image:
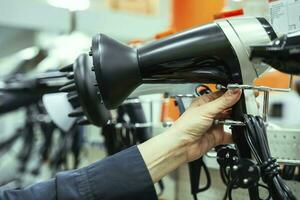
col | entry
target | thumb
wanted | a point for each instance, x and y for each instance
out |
(227, 138)
(226, 101)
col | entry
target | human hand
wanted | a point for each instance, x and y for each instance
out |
(195, 127)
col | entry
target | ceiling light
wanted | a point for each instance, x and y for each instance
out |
(72, 5)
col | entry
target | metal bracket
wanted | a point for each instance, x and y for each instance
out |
(184, 95)
(266, 90)
(259, 88)
(228, 122)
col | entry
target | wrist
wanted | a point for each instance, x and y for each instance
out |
(180, 140)
(163, 154)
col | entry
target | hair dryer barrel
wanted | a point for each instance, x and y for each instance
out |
(202, 54)
(213, 53)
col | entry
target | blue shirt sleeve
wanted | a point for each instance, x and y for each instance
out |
(122, 176)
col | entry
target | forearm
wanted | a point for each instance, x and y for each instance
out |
(163, 154)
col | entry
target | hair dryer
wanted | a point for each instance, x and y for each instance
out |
(218, 53)
(83, 95)
(23, 90)
(282, 54)
(213, 53)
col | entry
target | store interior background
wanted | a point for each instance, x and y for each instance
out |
(64, 29)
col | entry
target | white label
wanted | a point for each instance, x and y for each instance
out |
(285, 15)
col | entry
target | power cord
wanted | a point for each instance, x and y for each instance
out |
(256, 137)
(195, 174)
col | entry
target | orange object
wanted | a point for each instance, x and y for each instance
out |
(274, 79)
(148, 7)
(135, 42)
(170, 110)
(164, 34)
(189, 13)
(231, 13)
(212, 87)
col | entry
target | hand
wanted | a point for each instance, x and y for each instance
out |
(196, 128)
(192, 135)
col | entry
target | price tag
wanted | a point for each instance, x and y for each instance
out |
(285, 15)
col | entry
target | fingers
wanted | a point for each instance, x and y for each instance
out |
(226, 101)
(224, 115)
(227, 138)
(219, 136)
(222, 137)
(256, 93)
(206, 98)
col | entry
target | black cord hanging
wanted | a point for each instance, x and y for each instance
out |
(257, 139)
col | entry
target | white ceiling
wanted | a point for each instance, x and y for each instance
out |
(39, 15)
(20, 19)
